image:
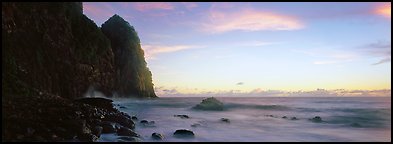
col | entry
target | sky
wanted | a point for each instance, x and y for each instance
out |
(261, 48)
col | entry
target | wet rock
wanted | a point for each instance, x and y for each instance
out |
(210, 104)
(96, 101)
(157, 136)
(134, 117)
(183, 133)
(123, 131)
(144, 121)
(182, 116)
(316, 119)
(122, 107)
(107, 127)
(284, 117)
(128, 139)
(97, 130)
(225, 120)
(294, 118)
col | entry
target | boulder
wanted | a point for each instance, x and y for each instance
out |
(316, 119)
(182, 116)
(123, 131)
(210, 104)
(107, 127)
(97, 101)
(157, 136)
(184, 133)
(225, 120)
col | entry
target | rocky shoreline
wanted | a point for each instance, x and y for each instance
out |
(53, 118)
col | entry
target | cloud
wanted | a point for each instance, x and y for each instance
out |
(147, 6)
(239, 83)
(383, 61)
(190, 5)
(248, 20)
(152, 50)
(325, 62)
(384, 10)
(379, 49)
(100, 12)
(278, 93)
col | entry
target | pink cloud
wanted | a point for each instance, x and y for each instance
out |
(146, 6)
(98, 11)
(384, 10)
(249, 20)
(152, 50)
(190, 5)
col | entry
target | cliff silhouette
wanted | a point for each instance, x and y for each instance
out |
(54, 48)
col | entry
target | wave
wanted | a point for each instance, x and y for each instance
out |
(259, 107)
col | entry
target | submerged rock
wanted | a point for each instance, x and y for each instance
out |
(134, 117)
(182, 116)
(184, 133)
(157, 136)
(225, 120)
(195, 125)
(284, 117)
(210, 104)
(294, 118)
(316, 119)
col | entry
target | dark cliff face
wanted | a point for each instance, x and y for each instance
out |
(53, 48)
(133, 78)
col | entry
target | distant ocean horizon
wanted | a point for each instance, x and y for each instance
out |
(264, 118)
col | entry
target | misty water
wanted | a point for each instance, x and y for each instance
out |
(260, 119)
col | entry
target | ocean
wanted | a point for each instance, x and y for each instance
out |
(344, 119)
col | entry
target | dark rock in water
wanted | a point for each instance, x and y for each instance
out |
(210, 104)
(355, 125)
(182, 116)
(144, 121)
(316, 119)
(122, 119)
(284, 117)
(134, 117)
(98, 102)
(97, 130)
(123, 131)
(195, 125)
(128, 139)
(157, 136)
(107, 127)
(123, 107)
(225, 120)
(294, 118)
(147, 123)
(184, 133)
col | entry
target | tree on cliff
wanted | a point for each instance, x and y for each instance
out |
(133, 77)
